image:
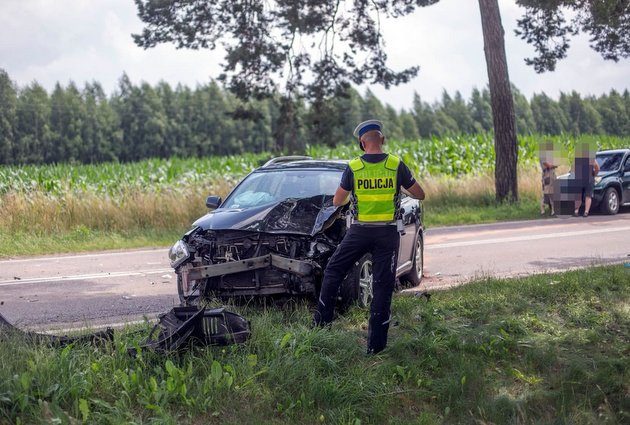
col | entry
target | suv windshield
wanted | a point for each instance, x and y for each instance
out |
(262, 188)
(609, 161)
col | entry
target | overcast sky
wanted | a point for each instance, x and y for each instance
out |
(84, 40)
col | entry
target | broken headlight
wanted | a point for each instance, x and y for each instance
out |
(178, 253)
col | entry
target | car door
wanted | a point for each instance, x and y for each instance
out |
(625, 180)
(409, 208)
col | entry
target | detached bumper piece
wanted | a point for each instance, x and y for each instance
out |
(185, 326)
(8, 330)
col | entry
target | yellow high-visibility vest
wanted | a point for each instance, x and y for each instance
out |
(375, 189)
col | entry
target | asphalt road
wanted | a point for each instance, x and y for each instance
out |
(97, 289)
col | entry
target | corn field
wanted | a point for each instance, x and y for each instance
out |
(446, 156)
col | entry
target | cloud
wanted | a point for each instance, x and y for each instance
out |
(446, 40)
(65, 40)
(62, 40)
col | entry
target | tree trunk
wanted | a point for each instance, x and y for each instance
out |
(505, 143)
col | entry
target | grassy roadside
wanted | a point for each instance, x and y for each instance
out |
(82, 238)
(542, 349)
(42, 223)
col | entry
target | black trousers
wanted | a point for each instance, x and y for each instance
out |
(382, 242)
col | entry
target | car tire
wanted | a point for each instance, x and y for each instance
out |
(414, 277)
(610, 202)
(356, 288)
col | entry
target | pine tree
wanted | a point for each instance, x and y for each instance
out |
(100, 127)
(8, 104)
(32, 132)
(372, 106)
(408, 126)
(457, 109)
(392, 124)
(151, 124)
(581, 117)
(349, 111)
(524, 117)
(75, 115)
(172, 119)
(613, 112)
(122, 104)
(626, 102)
(425, 117)
(59, 149)
(480, 110)
(548, 115)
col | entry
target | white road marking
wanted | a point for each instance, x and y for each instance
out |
(92, 276)
(115, 325)
(526, 238)
(72, 257)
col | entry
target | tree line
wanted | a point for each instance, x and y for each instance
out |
(141, 120)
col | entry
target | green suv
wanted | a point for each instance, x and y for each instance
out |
(612, 183)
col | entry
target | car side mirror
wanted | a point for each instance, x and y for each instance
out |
(213, 202)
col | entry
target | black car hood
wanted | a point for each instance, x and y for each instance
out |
(306, 216)
(604, 174)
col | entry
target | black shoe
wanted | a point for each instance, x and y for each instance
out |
(372, 351)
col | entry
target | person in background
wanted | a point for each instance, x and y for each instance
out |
(585, 168)
(548, 177)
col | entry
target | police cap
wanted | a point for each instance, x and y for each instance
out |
(366, 126)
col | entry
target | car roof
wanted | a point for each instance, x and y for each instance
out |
(615, 151)
(305, 164)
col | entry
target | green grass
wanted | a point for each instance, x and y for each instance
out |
(543, 349)
(83, 239)
(454, 215)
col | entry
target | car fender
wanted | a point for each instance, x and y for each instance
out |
(615, 183)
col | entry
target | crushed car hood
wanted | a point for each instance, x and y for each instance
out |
(306, 216)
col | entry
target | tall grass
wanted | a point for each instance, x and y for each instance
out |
(166, 209)
(163, 197)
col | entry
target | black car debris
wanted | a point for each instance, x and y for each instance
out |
(274, 234)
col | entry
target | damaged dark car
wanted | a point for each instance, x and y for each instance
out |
(276, 231)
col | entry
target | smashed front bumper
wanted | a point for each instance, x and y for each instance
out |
(265, 275)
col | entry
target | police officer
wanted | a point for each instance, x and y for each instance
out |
(374, 180)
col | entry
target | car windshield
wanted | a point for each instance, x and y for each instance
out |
(274, 186)
(609, 161)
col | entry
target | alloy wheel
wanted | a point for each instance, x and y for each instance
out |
(419, 264)
(365, 283)
(613, 201)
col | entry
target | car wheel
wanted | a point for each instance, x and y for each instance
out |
(414, 277)
(357, 286)
(610, 202)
